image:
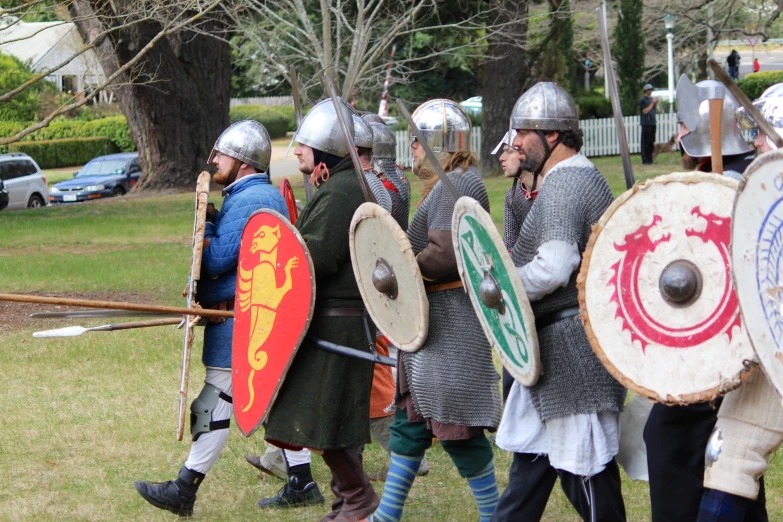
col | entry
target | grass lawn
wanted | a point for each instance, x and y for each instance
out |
(60, 174)
(84, 417)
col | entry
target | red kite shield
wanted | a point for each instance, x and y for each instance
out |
(272, 311)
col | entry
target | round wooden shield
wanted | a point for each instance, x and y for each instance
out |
(273, 307)
(656, 294)
(388, 277)
(495, 290)
(756, 253)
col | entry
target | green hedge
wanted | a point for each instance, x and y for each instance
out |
(50, 154)
(593, 105)
(276, 120)
(115, 128)
(754, 84)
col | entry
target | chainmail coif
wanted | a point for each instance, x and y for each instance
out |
(573, 380)
(516, 208)
(401, 200)
(452, 378)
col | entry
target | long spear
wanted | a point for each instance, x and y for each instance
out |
(73, 331)
(116, 305)
(625, 152)
(298, 115)
(382, 108)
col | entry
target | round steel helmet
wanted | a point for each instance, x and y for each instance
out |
(508, 139)
(546, 106)
(694, 112)
(444, 124)
(247, 141)
(371, 117)
(385, 144)
(320, 128)
(362, 132)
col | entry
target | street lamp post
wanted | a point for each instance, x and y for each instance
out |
(668, 22)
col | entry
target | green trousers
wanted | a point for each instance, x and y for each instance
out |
(412, 439)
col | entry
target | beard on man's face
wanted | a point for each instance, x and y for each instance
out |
(534, 156)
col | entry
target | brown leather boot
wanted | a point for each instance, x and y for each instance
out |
(337, 503)
(358, 496)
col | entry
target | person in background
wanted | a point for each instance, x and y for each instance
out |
(647, 108)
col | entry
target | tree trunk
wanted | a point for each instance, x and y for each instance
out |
(505, 78)
(176, 99)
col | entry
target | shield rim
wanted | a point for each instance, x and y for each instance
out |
(690, 178)
(468, 205)
(302, 335)
(373, 210)
(758, 163)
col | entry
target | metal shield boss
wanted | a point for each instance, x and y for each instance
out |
(495, 290)
(388, 277)
(273, 307)
(756, 250)
(656, 294)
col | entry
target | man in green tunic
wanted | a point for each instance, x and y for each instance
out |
(324, 403)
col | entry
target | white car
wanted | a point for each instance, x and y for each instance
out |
(24, 181)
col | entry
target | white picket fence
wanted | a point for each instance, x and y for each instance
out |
(600, 136)
(268, 101)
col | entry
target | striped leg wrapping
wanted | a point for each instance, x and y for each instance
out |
(485, 490)
(399, 479)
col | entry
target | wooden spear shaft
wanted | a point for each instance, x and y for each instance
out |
(115, 305)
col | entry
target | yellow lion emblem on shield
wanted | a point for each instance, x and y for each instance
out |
(258, 292)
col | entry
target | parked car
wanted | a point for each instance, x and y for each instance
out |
(23, 180)
(473, 105)
(102, 177)
(3, 195)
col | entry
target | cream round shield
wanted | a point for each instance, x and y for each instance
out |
(656, 293)
(495, 290)
(756, 253)
(388, 277)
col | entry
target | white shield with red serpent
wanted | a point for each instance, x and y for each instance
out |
(756, 253)
(274, 304)
(495, 290)
(656, 294)
(388, 277)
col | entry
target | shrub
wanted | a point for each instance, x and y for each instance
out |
(25, 105)
(51, 154)
(275, 123)
(754, 84)
(115, 128)
(593, 105)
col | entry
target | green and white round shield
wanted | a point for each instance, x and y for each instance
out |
(495, 290)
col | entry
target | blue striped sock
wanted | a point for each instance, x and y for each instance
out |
(485, 490)
(399, 479)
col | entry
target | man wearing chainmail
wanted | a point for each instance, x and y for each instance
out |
(567, 425)
(449, 388)
(517, 204)
(522, 193)
(385, 156)
(364, 141)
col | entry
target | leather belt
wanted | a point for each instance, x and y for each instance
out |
(443, 286)
(340, 312)
(554, 317)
